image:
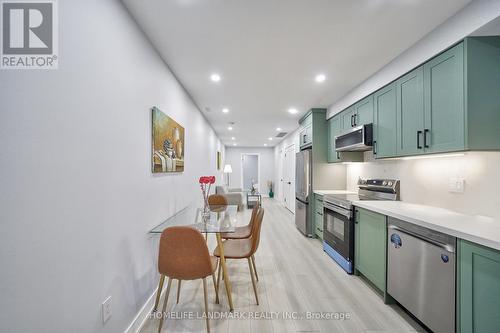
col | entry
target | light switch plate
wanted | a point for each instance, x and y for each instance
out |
(106, 310)
(456, 185)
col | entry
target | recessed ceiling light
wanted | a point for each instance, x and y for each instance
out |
(235, 144)
(265, 144)
(230, 128)
(292, 110)
(278, 129)
(215, 77)
(233, 138)
(225, 110)
(270, 139)
(320, 78)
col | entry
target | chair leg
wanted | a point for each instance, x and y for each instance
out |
(206, 303)
(218, 278)
(216, 291)
(253, 280)
(178, 290)
(163, 311)
(255, 268)
(158, 292)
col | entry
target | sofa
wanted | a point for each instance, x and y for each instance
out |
(234, 196)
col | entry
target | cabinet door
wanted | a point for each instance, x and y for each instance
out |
(370, 246)
(334, 129)
(302, 136)
(444, 102)
(410, 115)
(384, 122)
(306, 135)
(319, 225)
(348, 118)
(479, 288)
(364, 111)
(309, 134)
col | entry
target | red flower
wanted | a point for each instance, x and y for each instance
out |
(207, 180)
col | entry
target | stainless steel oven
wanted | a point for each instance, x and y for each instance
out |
(338, 217)
(338, 234)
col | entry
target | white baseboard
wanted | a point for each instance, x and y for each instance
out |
(141, 317)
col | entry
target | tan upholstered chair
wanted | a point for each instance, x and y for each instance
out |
(184, 255)
(244, 249)
(243, 231)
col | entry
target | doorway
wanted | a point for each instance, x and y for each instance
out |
(289, 178)
(250, 172)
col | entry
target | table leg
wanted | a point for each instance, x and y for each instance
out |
(224, 271)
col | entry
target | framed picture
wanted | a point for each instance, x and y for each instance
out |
(219, 160)
(167, 153)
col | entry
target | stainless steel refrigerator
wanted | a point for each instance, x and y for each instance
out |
(303, 191)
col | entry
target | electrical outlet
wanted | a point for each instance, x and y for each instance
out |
(106, 310)
(456, 185)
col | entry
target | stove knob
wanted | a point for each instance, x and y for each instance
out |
(384, 183)
(389, 183)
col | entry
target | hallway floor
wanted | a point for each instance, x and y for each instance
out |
(296, 277)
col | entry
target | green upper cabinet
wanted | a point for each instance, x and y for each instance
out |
(450, 103)
(306, 136)
(483, 98)
(410, 113)
(358, 114)
(444, 102)
(363, 111)
(479, 288)
(334, 129)
(348, 118)
(370, 244)
(384, 122)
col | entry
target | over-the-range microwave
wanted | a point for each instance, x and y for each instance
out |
(356, 139)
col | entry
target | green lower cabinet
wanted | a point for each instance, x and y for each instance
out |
(318, 216)
(319, 225)
(370, 244)
(479, 288)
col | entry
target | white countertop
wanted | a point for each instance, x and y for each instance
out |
(323, 192)
(475, 228)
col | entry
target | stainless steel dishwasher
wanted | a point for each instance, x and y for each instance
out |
(421, 273)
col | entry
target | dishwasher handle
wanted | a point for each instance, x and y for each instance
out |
(446, 247)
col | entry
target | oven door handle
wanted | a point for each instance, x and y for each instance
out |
(337, 210)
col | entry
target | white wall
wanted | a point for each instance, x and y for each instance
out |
(425, 181)
(465, 22)
(77, 195)
(233, 157)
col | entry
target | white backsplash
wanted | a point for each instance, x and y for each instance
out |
(426, 181)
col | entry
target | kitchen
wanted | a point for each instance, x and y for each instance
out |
(432, 126)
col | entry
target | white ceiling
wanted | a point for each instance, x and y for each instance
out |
(268, 52)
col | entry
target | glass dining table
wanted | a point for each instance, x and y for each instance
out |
(217, 220)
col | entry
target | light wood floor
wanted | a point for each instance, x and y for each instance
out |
(295, 276)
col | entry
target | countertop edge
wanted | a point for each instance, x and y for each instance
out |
(449, 231)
